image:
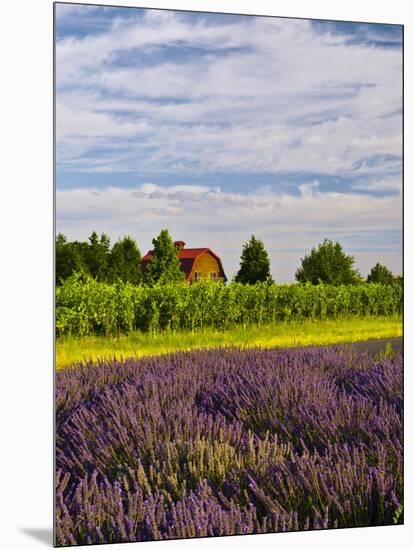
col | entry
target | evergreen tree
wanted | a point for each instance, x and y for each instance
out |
(380, 274)
(97, 259)
(254, 264)
(164, 267)
(328, 264)
(125, 261)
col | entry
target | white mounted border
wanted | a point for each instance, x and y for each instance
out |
(26, 466)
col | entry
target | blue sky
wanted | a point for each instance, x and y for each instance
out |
(222, 126)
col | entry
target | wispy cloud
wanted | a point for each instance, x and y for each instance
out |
(192, 104)
(185, 93)
(199, 214)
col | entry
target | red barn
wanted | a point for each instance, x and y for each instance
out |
(197, 263)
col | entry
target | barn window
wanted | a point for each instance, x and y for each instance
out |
(213, 275)
(197, 275)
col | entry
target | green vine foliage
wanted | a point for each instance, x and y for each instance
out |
(85, 306)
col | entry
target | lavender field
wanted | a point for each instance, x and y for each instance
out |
(224, 441)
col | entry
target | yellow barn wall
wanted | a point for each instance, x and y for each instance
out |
(206, 264)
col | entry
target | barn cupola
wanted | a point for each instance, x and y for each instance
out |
(179, 244)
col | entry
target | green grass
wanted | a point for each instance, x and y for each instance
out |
(287, 334)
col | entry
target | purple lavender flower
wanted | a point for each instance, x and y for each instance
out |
(219, 442)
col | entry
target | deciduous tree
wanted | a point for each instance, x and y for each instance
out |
(380, 274)
(125, 260)
(329, 264)
(69, 258)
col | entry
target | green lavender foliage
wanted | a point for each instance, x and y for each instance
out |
(85, 306)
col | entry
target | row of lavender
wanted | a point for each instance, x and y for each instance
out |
(227, 441)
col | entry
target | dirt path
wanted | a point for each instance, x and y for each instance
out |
(375, 346)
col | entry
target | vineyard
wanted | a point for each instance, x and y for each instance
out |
(224, 442)
(86, 307)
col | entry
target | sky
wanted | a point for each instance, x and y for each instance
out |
(219, 126)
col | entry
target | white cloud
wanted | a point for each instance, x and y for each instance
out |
(386, 184)
(284, 98)
(65, 11)
(205, 217)
(247, 110)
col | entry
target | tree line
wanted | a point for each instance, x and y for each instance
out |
(327, 263)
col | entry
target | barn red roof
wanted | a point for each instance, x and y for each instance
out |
(187, 258)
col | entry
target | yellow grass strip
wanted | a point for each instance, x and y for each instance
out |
(287, 334)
